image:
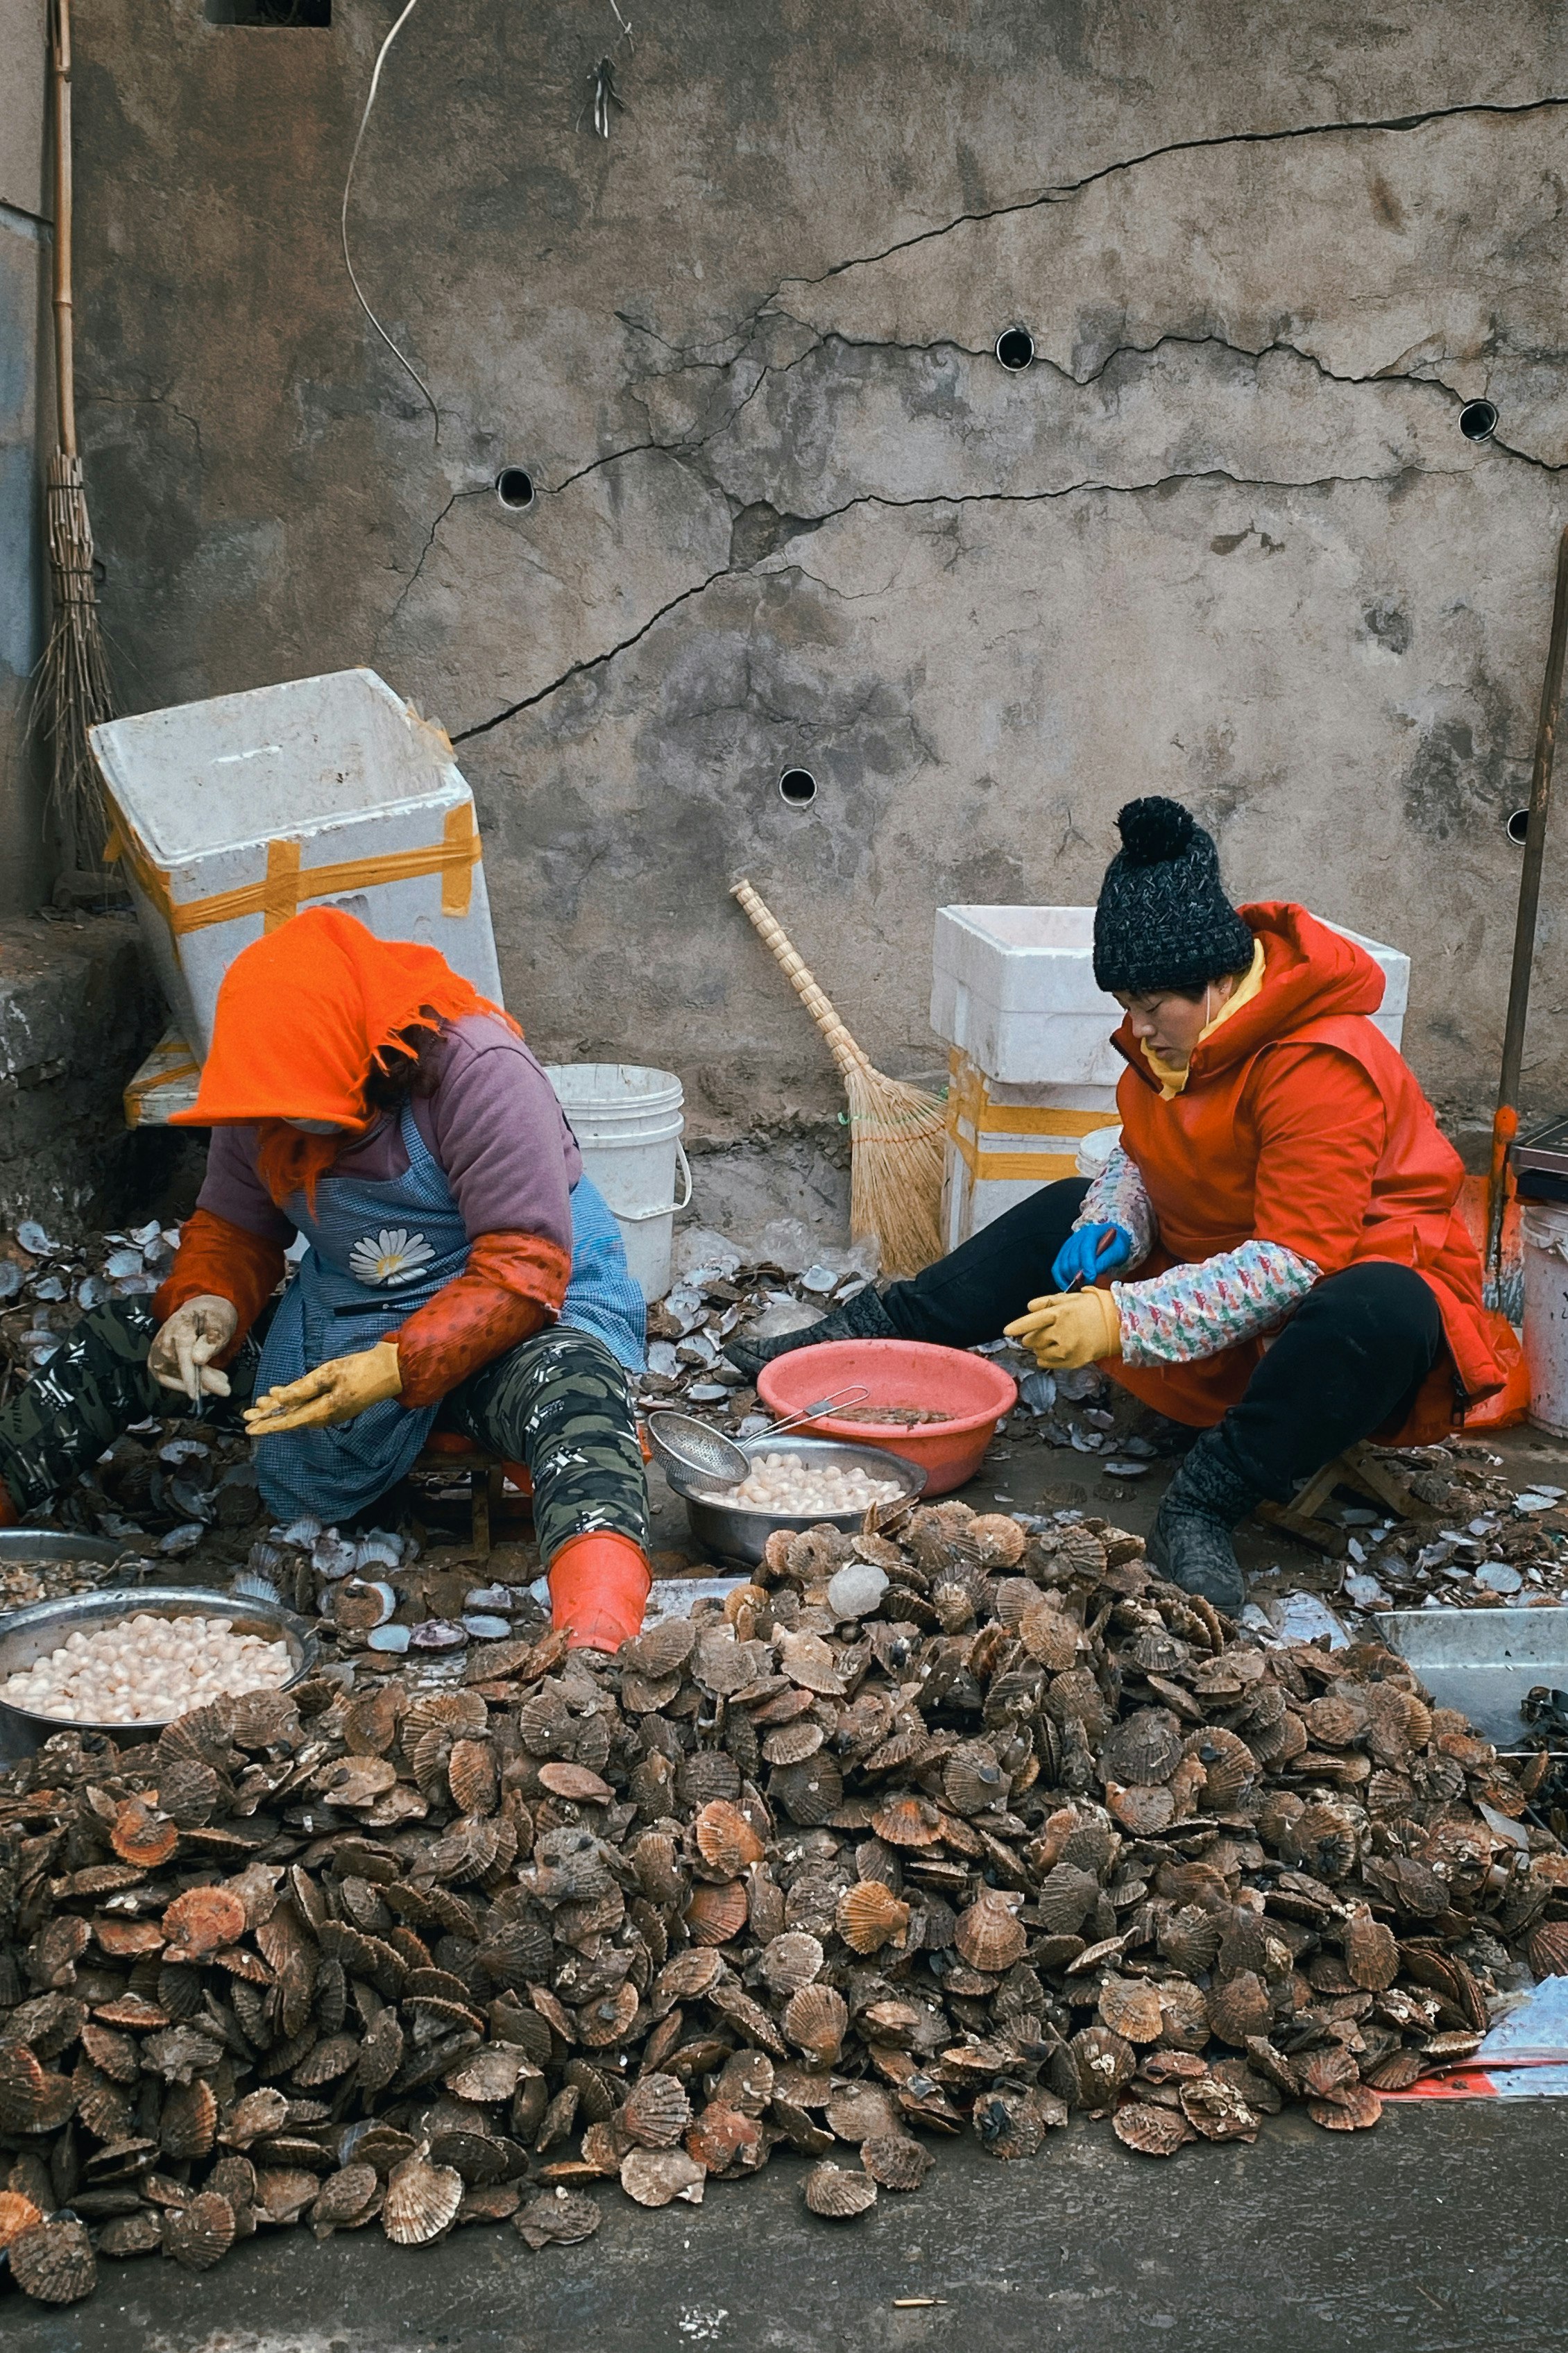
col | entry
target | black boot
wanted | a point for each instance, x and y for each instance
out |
(1190, 1543)
(861, 1318)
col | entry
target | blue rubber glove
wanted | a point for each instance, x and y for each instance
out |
(1091, 1251)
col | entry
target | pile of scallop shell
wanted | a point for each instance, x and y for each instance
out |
(946, 1828)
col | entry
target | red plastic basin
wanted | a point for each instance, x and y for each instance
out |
(974, 1390)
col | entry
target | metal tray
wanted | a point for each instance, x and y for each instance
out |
(736, 1532)
(1483, 1662)
(26, 1635)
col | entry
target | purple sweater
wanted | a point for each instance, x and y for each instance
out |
(492, 1123)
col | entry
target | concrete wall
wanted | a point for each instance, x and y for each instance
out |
(1225, 539)
(25, 390)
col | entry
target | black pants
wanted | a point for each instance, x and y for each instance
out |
(1347, 1365)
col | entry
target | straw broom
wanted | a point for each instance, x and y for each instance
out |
(71, 690)
(895, 1131)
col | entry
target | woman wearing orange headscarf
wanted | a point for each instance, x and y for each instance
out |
(458, 1267)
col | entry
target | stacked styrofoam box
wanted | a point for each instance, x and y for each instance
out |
(234, 814)
(1033, 1069)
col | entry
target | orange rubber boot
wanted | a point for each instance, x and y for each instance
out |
(598, 1585)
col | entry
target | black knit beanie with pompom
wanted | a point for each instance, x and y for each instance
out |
(1163, 921)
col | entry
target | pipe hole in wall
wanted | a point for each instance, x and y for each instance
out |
(514, 489)
(1518, 826)
(1478, 420)
(1014, 349)
(798, 787)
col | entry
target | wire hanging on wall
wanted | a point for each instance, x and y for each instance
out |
(603, 99)
(343, 216)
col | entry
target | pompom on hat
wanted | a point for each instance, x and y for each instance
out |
(1162, 920)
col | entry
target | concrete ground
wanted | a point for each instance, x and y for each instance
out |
(1441, 2232)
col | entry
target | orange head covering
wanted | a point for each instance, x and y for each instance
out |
(302, 1016)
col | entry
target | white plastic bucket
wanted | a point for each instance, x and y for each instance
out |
(1096, 1149)
(1544, 1233)
(627, 1120)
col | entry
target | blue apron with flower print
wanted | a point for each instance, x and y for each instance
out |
(376, 1253)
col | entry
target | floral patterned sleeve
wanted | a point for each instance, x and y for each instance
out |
(1116, 1197)
(1196, 1311)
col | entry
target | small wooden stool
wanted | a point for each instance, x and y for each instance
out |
(449, 1452)
(1358, 1467)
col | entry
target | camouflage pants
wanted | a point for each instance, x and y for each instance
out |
(560, 1403)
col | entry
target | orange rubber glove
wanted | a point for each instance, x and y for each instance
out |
(336, 1391)
(598, 1586)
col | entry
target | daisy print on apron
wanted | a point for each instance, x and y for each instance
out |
(392, 1256)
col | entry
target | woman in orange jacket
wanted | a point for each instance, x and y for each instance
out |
(1282, 1191)
(459, 1268)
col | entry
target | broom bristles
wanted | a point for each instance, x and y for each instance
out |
(73, 691)
(896, 1135)
(895, 1130)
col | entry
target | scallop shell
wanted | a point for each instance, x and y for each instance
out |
(1189, 1938)
(725, 1839)
(123, 2235)
(1104, 2064)
(17, 2213)
(907, 1822)
(1152, 2131)
(472, 1776)
(200, 2234)
(791, 1961)
(716, 1912)
(1145, 1747)
(896, 2160)
(988, 1934)
(869, 1915)
(422, 2201)
(858, 2112)
(560, 2218)
(1007, 2123)
(1216, 2110)
(197, 1923)
(972, 1779)
(1238, 2007)
(1131, 2007)
(1064, 1898)
(143, 1836)
(792, 1744)
(658, 2177)
(1356, 2109)
(838, 2194)
(725, 2140)
(655, 2112)
(817, 2020)
(53, 2262)
(1371, 1952)
(187, 2122)
(1548, 1950)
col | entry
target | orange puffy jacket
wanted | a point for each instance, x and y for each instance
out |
(1299, 1124)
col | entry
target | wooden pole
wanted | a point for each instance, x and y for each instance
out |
(1505, 1124)
(65, 339)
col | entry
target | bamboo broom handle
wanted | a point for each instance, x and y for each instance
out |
(842, 1047)
(65, 352)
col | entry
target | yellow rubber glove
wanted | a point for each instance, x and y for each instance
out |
(335, 1391)
(1069, 1328)
(186, 1342)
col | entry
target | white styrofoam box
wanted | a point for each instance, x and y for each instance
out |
(1013, 988)
(1003, 1142)
(1395, 965)
(232, 814)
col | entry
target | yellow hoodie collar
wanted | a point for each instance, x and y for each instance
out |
(1173, 1076)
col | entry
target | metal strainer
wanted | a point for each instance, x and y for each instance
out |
(706, 1458)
